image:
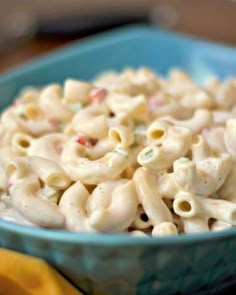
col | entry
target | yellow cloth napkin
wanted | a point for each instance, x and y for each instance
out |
(25, 275)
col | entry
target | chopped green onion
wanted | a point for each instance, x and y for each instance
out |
(20, 111)
(140, 129)
(76, 107)
(50, 194)
(136, 141)
(149, 153)
(121, 151)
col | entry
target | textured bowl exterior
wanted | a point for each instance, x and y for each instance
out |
(120, 264)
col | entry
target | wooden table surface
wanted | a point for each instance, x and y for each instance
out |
(27, 51)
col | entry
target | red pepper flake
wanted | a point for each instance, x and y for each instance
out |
(53, 121)
(8, 188)
(97, 95)
(16, 102)
(59, 149)
(205, 132)
(83, 141)
(153, 104)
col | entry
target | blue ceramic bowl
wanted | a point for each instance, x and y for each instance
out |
(120, 264)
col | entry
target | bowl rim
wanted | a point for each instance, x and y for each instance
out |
(124, 33)
(111, 239)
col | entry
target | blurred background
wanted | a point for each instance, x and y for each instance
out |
(30, 28)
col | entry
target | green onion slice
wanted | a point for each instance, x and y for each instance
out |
(149, 153)
(121, 151)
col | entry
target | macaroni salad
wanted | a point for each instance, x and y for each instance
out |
(131, 152)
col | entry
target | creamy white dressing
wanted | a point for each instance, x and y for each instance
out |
(11, 215)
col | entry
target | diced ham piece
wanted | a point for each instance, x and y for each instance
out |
(97, 95)
(154, 104)
(9, 185)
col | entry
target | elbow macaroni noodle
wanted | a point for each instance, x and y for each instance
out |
(130, 152)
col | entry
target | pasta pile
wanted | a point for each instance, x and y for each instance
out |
(131, 152)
